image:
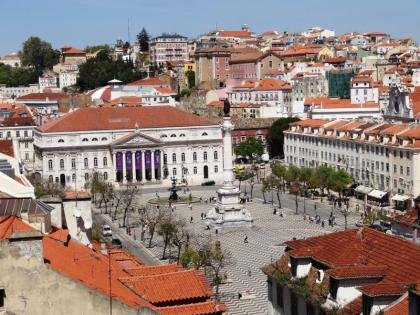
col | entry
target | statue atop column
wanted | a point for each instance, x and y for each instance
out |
(226, 107)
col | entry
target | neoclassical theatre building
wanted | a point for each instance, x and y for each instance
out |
(129, 144)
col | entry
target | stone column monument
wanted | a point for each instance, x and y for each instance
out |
(228, 212)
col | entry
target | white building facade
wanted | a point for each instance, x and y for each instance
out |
(146, 145)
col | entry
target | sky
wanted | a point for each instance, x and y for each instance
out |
(87, 22)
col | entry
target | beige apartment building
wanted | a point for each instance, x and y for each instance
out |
(382, 157)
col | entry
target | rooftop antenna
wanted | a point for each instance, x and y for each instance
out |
(128, 29)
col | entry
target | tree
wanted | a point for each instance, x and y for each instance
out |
(17, 76)
(181, 236)
(95, 48)
(97, 71)
(275, 137)
(219, 259)
(340, 180)
(191, 78)
(128, 198)
(39, 54)
(324, 173)
(265, 187)
(250, 148)
(154, 215)
(167, 229)
(292, 176)
(143, 40)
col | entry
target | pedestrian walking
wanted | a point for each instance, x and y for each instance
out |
(246, 239)
(202, 215)
(191, 220)
(275, 211)
(323, 223)
(249, 272)
(190, 206)
(217, 231)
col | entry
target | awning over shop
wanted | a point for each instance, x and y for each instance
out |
(400, 197)
(363, 189)
(378, 194)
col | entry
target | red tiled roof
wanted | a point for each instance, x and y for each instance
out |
(165, 90)
(153, 270)
(170, 287)
(309, 123)
(354, 307)
(94, 118)
(74, 51)
(42, 96)
(204, 308)
(394, 129)
(216, 104)
(358, 272)
(6, 147)
(18, 121)
(339, 59)
(240, 34)
(11, 224)
(384, 288)
(399, 307)
(413, 133)
(272, 85)
(149, 81)
(409, 218)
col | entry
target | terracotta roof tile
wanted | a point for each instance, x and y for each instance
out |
(170, 287)
(94, 118)
(362, 271)
(42, 96)
(309, 123)
(204, 308)
(149, 81)
(354, 307)
(6, 147)
(11, 224)
(399, 307)
(74, 51)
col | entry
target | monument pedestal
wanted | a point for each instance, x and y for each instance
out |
(228, 212)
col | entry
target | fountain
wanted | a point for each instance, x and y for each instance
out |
(173, 197)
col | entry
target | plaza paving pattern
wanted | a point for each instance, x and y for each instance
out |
(265, 243)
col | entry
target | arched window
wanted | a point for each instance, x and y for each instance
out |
(204, 134)
(163, 136)
(105, 176)
(174, 171)
(195, 156)
(216, 155)
(182, 135)
(73, 163)
(86, 162)
(85, 140)
(94, 139)
(86, 177)
(105, 161)
(165, 159)
(173, 135)
(104, 139)
(205, 155)
(195, 170)
(60, 140)
(50, 164)
(51, 179)
(182, 157)
(173, 157)
(61, 164)
(95, 162)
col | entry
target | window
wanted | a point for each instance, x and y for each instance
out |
(73, 177)
(9, 134)
(60, 140)
(195, 170)
(50, 179)
(216, 155)
(104, 139)
(26, 145)
(25, 133)
(94, 139)
(174, 171)
(195, 156)
(95, 162)
(185, 171)
(86, 177)
(165, 159)
(50, 164)
(105, 176)
(234, 140)
(17, 133)
(173, 157)
(173, 135)
(408, 171)
(85, 140)
(182, 135)
(216, 169)
(163, 136)
(86, 163)
(270, 64)
(401, 170)
(205, 155)
(204, 134)
(105, 161)
(61, 164)
(182, 157)
(26, 156)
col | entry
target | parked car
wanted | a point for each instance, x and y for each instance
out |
(116, 242)
(209, 183)
(106, 230)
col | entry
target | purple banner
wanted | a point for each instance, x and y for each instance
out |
(128, 161)
(138, 160)
(148, 157)
(119, 161)
(157, 159)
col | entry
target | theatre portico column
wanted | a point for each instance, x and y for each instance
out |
(133, 166)
(143, 166)
(114, 165)
(152, 157)
(124, 172)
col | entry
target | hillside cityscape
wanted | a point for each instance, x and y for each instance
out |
(233, 172)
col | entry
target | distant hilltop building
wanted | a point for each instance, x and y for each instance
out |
(168, 48)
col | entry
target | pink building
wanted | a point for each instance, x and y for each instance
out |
(168, 48)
